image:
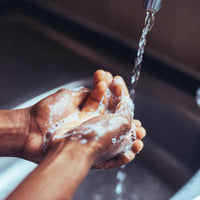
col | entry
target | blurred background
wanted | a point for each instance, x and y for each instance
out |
(174, 36)
(49, 44)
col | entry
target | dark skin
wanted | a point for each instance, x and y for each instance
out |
(71, 158)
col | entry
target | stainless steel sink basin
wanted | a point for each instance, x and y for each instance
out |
(36, 58)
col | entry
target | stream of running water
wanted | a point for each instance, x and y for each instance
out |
(148, 24)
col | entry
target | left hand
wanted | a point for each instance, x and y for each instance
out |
(45, 115)
(109, 101)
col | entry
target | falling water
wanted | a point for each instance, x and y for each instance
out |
(119, 189)
(149, 22)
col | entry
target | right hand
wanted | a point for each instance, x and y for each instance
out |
(105, 123)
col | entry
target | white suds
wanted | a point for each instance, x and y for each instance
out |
(114, 141)
(76, 89)
(83, 141)
(124, 107)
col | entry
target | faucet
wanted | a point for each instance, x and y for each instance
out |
(152, 5)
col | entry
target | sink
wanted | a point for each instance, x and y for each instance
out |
(36, 59)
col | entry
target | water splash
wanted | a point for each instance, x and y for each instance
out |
(148, 25)
(119, 189)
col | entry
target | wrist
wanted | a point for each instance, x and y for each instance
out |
(14, 125)
(77, 150)
(60, 173)
(73, 160)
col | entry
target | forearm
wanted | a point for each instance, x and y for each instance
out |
(14, 126)
(59, 174)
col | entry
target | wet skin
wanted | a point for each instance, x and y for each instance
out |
(64, 150)
(122, 119)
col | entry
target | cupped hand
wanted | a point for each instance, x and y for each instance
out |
(45, 117)
(105, 121)
(102, 118)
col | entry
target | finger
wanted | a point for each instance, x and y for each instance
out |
(137, 123)
(116, 161)
(76, 96)
(122, 159)
(97, 99)
(124, 107)
(101, 75)
(80, 95)
(141, 133)
(119, 87)
(137, 146)
(123, 101)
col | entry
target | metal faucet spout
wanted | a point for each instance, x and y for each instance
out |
(152, 5)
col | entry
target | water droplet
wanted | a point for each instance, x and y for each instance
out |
(114, 140)
(121, 176)
(79, 136)
(96, 138)
(121, 138)
(118, 188)
(73, 138)
(123, 166)
(83, 141)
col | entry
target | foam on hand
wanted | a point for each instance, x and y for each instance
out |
(60, 130)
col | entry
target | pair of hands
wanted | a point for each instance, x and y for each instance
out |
(101, 118)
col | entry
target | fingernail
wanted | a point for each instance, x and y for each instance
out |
(118, 80)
